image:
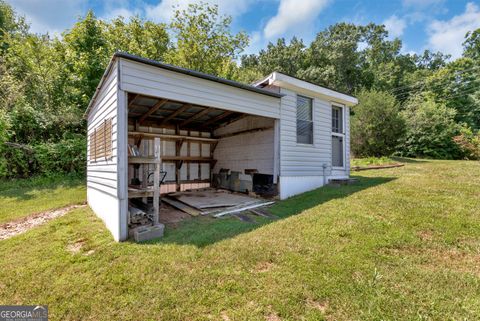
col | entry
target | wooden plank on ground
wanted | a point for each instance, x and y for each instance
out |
(262, 212)
(182, 207)
(241, 209)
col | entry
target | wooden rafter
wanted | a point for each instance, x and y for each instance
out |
(153, 109)
(234, 119)
(216, 118)
(130, 103)
(175, 113)
(196, 116)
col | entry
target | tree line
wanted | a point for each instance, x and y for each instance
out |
(418, 105)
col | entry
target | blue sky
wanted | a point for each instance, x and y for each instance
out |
(420, 24)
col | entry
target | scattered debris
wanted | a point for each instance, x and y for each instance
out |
(181, 206)
(24, 224)
(241, 209)
(212, 198)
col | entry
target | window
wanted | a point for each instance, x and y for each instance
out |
(338, 137)
(101, 141)
(304, 120)
(337, 119)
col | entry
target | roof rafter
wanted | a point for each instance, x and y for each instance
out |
(196, 116)
(217, 118)
(130, 103)
(153, 109)
(175, 113)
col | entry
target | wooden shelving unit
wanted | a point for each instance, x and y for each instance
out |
(145, 190)
(177, 159)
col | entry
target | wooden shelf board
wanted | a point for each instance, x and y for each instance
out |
(187, 159)
(173, 137)
(142, 160)
(137, 192)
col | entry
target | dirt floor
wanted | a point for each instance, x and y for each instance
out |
(23, 224)
(171, 216)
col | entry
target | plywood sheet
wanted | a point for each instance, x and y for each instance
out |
(205, 199)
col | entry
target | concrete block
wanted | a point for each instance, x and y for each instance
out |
(145, 233)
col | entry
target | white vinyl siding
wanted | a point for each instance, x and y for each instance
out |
(102, 173)
(105, 184)
(302, 159)
(143, 79)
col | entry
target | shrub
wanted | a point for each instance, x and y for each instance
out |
(4, 127)
(376, 126)
(469, 143)
(65, 156)
(430, 129)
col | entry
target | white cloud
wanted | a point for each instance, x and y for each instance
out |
(164, 10)
(447, 36)
(421, 3)
(293, 14)
(51, 16)
(395, 26)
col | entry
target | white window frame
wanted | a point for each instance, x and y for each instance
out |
(313, 121)
(342, 134)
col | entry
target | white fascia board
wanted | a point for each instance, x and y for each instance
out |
(307, 88)
(263, 80)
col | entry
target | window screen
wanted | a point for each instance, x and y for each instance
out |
(304, 120)
(337, 119)
(101, 141)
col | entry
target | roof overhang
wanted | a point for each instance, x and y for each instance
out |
(307, 88)
(184, 71)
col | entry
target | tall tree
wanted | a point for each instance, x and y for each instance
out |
(284, 57)
(136, 36)
(333, 58)
(472, 45)
(86, 56)
(204, 42)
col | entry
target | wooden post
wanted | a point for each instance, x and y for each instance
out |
(178, 146)
(145, 169)
(188, 155)
(156, 183)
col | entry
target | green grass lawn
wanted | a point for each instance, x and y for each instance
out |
(371, 161)
(20, 198)
(401, 244)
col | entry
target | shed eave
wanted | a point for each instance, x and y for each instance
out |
(181, 70)
(298, 85)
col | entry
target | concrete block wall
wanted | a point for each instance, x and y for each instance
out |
(253, 150)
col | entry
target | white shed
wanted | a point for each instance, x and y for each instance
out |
(147, 117)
